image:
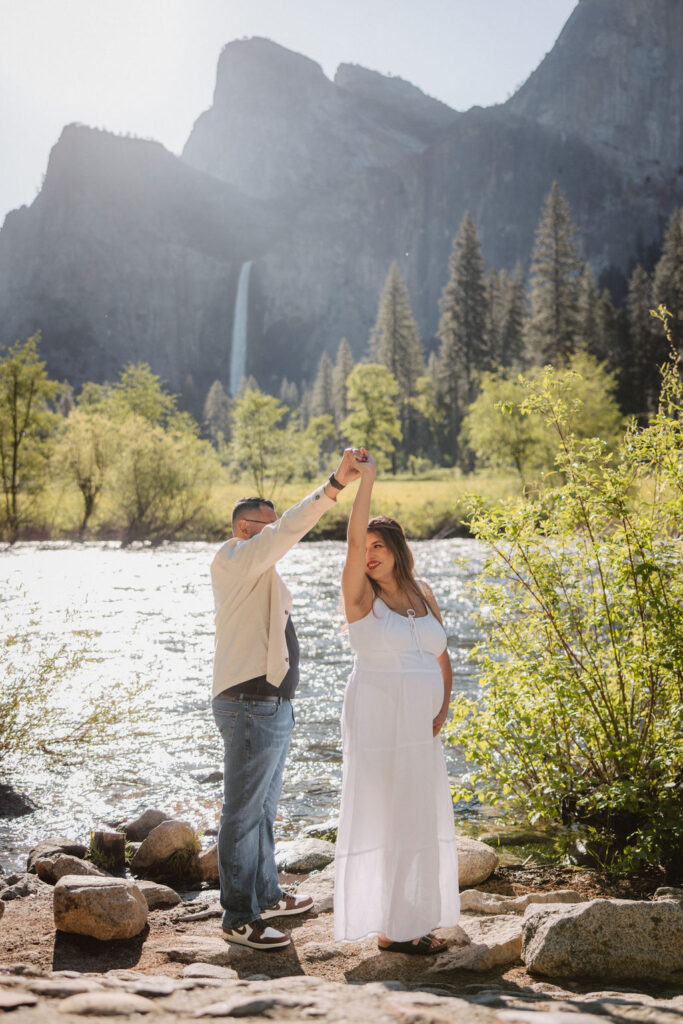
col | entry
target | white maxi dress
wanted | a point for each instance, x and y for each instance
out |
(396, 864)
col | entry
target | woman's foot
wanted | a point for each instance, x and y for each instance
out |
(426, 945)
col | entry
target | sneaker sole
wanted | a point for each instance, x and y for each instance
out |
(256, 945)
(268, 914)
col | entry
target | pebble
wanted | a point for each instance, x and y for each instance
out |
(106, 1004)
(200, 970)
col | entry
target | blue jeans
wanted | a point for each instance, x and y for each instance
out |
(255, 740)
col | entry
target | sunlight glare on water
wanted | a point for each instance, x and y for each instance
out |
(146, 617)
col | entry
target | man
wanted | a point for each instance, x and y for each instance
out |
(256, 670)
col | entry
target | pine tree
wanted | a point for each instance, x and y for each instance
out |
(322, 396)
(395, 343)
(668, 283)
(342, 368)
(555, 272)
(217, 413)
(514, 311)
(495, 287)
(588, 295)
(647, 347)
(289, 393)
(462, 328)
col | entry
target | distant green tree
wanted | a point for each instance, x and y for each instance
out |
(142, 392)
(503, 433)
(342, 368)
(555, 277)
(289, 393)
(87, 446)
(27, 425)
(586, 308)
(494, 304)
(395, 343)
(315, 445)
(163, 477)
(511, 351)
(322, 395)
(260, 446)
(217, 413)
(668, 281)
(430, 417)
(372, 421)
(462, 329)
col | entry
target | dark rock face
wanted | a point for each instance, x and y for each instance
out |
(14, 804)
(131, 253)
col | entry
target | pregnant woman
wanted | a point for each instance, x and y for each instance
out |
(396, 873)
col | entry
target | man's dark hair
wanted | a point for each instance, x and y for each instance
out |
(243, 505)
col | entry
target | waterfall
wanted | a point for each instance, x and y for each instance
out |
(238, 355)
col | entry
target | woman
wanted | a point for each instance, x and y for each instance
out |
(396, 872)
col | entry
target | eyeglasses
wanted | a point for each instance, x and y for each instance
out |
(266, 522)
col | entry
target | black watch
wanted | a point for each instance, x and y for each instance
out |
(335, 483)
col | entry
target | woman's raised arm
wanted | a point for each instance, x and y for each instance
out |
(356, 589)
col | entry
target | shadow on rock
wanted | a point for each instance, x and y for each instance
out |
(83, 953)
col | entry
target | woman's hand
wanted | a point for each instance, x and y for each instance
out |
(439, 720)
(365, 463)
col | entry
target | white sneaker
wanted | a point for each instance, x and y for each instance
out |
(288, 906)
(257, 935)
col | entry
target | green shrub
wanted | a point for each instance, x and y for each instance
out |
(581, 714)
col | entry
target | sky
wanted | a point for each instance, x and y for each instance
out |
(147, 67)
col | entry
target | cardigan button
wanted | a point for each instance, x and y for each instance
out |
(287, 659)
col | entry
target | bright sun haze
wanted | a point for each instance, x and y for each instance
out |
(148, 67)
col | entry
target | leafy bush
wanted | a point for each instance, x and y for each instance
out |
(581, 715)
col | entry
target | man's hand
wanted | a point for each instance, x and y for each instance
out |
(365, 463)
(346, 470)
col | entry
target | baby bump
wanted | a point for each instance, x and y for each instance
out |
(383, 710)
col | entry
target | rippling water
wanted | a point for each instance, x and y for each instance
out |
(150, 619)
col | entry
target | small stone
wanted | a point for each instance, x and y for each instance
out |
(157, 895)
(107, 1004)
(211, 777)
(51, 869)
(252, 1007)
(208, 864)
(476, 861)
(13, 803)
(26, 885)
(51, 847)
(324, 830)
(199, 970)
(139, 828)
(62, 987)
(320, 951)
(10, 1000)
(104, 908)
(302, 855)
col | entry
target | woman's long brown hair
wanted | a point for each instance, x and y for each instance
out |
(393, 535)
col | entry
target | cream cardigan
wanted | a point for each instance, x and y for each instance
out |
(251, 600)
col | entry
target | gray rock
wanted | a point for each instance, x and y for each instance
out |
(192, 949)
(610, 939)
(669, 892)
(216, 776)
(59, 988)
(199, 970)
(12, 1000)
(324, 830)
(263, 1006)
(169, 853)
(320, 886)
(51, 869)
(139, 828)
(476, 861)
(208, 864)
(107, 1004)
(492, 941)
(105, 908)
(26, 885)
(302, 855)
(51, 847)
(318, 952)
(13, 803)
(516, 837)
(474, 902)
(157, 895)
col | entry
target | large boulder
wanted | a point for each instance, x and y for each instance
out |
(169, 853)
(476, 861)
(105, 908)
(615, 940)
(139, 828)
(208, 863)
(489, 942)
(303, 855)
(51, 847)
(51, 869)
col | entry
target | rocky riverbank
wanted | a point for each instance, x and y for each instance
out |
(531, 947)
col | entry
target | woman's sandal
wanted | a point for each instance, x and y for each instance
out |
(423, 947)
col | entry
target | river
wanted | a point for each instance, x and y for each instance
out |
(146, 618)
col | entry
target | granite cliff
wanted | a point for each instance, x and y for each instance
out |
(129, 252)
